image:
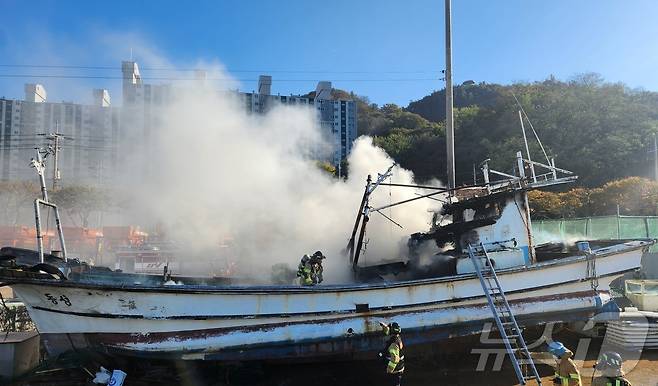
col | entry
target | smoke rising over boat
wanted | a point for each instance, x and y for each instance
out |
(205, 171)
(215, 172)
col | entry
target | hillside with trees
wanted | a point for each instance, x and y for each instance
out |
(602, 131)
(629, 196)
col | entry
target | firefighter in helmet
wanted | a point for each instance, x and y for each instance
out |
(611, 374)
(304, 271)
(392, 353)
(566, 372)
(316, 267)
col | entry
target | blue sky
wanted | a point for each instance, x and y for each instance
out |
(390, 51)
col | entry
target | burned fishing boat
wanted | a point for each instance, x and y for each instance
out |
(483, 235)
(75, 305)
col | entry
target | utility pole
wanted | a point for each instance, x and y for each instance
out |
(55, 148)
(655, 157)
(55, 161)
(450, 132)
(100, 184)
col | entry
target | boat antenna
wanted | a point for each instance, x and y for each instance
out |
(531, 127)
(450, 131)
(527, 150)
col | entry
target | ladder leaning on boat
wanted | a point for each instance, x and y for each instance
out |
(509, 330)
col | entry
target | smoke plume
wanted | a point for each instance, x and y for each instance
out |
(217, 172)
(208, 172)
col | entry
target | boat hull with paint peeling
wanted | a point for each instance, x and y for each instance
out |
(116, 312)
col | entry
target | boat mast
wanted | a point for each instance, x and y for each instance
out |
(364, 216)
(450, 132)
(364, 200)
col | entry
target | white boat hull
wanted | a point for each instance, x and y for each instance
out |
(250, 322)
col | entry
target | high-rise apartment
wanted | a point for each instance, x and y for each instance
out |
(88, 140)
(101, 141)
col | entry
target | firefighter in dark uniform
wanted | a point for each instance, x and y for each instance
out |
(316, 267)
(393, 354)
(310, 271)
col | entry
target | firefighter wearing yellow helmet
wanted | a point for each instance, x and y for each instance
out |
(393, 354)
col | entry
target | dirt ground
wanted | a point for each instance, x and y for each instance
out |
(454, 365)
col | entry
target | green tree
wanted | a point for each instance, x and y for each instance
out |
(633, 195)
(81, 201)
(16, 200)
(599, 130)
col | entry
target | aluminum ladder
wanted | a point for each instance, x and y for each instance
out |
(509, 330)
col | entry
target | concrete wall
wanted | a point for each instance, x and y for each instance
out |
(19, 353)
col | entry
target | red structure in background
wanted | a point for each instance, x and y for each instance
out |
(87, 243)
(24, 237)
(127, 248)
(122, 236)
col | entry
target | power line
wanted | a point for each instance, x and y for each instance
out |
(32, 147)
(62, 76)
(83, 67)
(24, 143)
(84, 139)
(59, 66)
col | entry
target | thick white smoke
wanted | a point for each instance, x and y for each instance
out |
(217, 172)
